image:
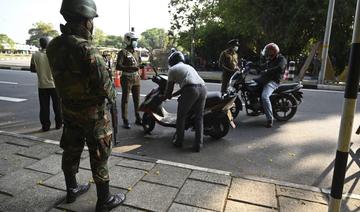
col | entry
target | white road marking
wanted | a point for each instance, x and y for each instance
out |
(10, 99)
(9, 83)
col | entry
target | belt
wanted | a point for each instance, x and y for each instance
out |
(192, 85)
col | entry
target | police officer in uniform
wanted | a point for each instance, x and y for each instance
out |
(228, 63)
(128, 61)
(84, 87)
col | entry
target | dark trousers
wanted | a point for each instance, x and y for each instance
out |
(130, 84)
(44, 98)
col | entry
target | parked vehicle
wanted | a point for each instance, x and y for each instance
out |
(284, 100)
(217, 115)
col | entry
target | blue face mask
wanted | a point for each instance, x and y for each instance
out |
(134, 44)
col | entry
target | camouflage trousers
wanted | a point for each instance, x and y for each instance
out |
(130, 84)
(97, 135)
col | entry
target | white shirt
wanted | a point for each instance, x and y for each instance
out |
(43, 71)
(184, 74)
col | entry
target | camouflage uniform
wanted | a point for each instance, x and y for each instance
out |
(83, 84)
(228, 61)
(130, 80)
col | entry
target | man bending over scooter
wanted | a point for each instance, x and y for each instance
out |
(192, 97)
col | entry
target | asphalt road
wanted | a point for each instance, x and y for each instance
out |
(301, 150)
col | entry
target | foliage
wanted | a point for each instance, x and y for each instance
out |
(39, 30)
(4, 39)
(154, 38)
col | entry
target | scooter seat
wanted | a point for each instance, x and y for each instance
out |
(213, 97)
(288, 86)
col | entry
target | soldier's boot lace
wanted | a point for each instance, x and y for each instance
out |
(106, 201)
(74, 190)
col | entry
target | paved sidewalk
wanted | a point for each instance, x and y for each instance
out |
(31, 180)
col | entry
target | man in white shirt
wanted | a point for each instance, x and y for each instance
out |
(46, 87)
(193, 96)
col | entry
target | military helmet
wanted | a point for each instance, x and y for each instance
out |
(129, 36)
(73, 9)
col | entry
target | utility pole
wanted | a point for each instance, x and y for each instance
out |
(347, 118)
(326, 42)
(129, 15)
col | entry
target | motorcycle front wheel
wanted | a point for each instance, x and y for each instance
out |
(219, 127)
(284, 107)
(148, 122)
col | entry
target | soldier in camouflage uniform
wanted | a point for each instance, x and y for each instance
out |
(228, 63)
(128, 61)
(84, 86)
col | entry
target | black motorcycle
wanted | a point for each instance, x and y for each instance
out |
(217, 115)
(284, 100)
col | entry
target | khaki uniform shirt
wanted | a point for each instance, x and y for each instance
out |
(228, 60)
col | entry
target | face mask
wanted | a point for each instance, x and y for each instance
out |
(134, 44)
(236, 48)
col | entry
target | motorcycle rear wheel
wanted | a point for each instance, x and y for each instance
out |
(284, 107)
(219, 127)
(148, 123)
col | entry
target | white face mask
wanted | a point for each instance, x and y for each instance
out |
(236, 48)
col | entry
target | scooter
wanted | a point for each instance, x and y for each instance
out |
(217, 115)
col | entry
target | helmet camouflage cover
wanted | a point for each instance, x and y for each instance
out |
(78, 8)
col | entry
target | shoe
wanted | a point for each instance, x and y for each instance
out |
(138, 122)
(105, 201)
(269, 124)
(126, 124)
(44, 129)
(197, 147)
(73, 193)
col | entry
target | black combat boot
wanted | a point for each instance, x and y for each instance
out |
(74, 190)
(126, 124)
(106, 201)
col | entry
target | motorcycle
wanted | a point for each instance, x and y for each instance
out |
(284, 99)
(217, 115)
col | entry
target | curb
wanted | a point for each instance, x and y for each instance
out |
(198, 168)
(15, 68)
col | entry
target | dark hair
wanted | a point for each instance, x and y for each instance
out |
(44, 41)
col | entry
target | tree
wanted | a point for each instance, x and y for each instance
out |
(154, 38)
(39, 30)
(114, 41)
(5, 40)
(99, 37)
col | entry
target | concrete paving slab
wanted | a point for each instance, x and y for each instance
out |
(301, 194)
(147, 166)
(175, 207)
(51, 164)
(211, 177)
(112, 161)
(122, 208)
(4, 198)
(56, 210)
(12, 163)
(19, 181)
(123, 177)
(22, 142)
(233, 206)
(39, 151)
(151, 197)
(85, 202)
(350, 205)
(58, 181)
(168, 175)
(44, 200)
(253, 192)
(296, 205)
(202, 194)
(10, 149)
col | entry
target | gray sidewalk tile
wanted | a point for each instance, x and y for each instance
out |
(147, 166)
(295, 205)
(122, 208)
(23, 142)
(51, 164)
(19, 181)
(44, 200)
(233, 206)
(39, 151)
(350, 205)
(301, 194)
(150, 196)
(203, 195)
(56, 210)
(58, 181)
(4, 198)
(168, 175)
(10, 149)
(123, 177)
(211, 177)
(12, 163)
(85, 202)
(253, 192)
(175, 207)
(112, 161)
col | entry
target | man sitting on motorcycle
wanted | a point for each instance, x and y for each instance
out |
(271, 73)
(193, 96)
